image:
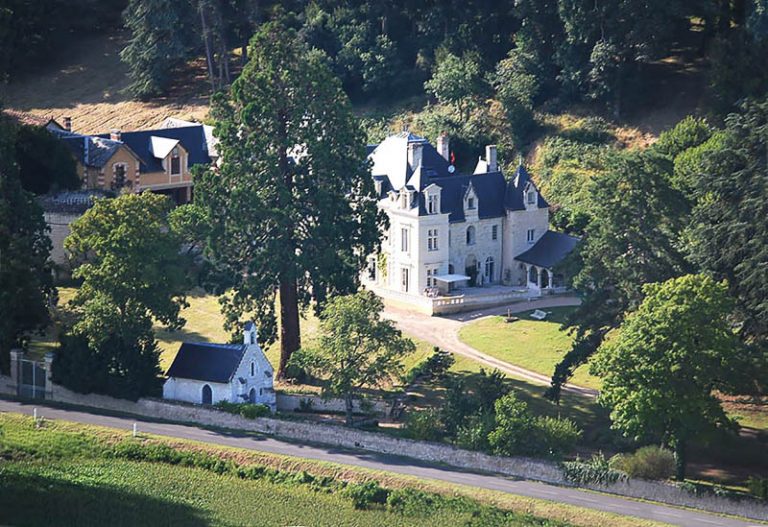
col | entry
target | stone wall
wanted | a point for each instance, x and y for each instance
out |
(7, 386)
(521, 467)
(288, 402)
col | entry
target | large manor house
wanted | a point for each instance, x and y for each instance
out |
(449, 230)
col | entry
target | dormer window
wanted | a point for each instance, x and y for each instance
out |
(471, 203)
(433, 205)
(405, 200)
(531, 197)
(175, 161)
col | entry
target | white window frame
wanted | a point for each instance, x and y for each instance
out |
(405, 279)
(432, 237)
(471, 203)
(531, 197)
(531, 235)
(433, 204)
(405, 241)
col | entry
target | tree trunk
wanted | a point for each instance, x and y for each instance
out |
(208, 52)
(290, 338)
(680, 458)
(349, 406)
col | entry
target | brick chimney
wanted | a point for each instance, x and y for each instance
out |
(115, 134)
(443, 146)
(490, 158)
(68, 124)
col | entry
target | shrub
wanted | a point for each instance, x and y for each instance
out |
(514, 424)
(433, 367)
(555, 436)
(424, 425)
(247, 410)
(596, 470)
(363, 495)
(474, 434)
(648, 462)
(411, 501)
(758, 487)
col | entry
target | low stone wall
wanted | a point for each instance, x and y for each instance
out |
(520, 467)
(288, 402)
(7, 386)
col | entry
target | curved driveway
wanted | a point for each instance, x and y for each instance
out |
(443, 331)
(398, 465)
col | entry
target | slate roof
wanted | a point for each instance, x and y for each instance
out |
(550, 250)
(488, 187)
(202, 361)
(514, 198)
(390, 158)
(191, 137)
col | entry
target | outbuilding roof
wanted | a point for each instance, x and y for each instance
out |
(550, 250)
(202, 361)
(145, 142)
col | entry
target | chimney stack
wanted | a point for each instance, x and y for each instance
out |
(415, 151)
(115, 134)
(490, 158)
(68, 124)
(443, 146)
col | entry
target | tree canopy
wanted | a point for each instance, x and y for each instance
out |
(26, 282)
(291, 203)
(132, 273)
(661, 371)
(356, 348)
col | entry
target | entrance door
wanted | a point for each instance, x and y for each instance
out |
(207, 395)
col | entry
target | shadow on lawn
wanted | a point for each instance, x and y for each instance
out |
(32, 500)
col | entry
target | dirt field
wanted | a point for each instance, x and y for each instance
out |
(88, 83)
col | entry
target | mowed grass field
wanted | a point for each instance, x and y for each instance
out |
(537, 345)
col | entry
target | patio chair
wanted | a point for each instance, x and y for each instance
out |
(539, 315)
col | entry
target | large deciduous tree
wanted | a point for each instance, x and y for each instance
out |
(130, 263)
(26, 283)
(356, 349)
(632, 239)
(291, 202)
(661, 371)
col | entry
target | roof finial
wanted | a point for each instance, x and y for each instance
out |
(520, 159)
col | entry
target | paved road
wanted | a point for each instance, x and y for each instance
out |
(398, 465)
(444, 332)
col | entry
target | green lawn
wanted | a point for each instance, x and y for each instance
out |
(532, 344)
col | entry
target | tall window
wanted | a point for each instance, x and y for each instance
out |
(404, 279)
(489, 269)
(432, 204)
(429, 277)
(470, 235)
(175, 162)
(531, 197)
(119, 176)
(432, 240)
(471, 203)
(253, 369)
(404, 239)
(495, 232)
(531, 235)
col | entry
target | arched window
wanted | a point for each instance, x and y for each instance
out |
(252, 396)
(253, 369)
(207, 395)
(470, 235)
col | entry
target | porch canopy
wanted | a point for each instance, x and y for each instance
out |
(451, 278)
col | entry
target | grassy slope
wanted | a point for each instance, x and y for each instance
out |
(89, 83)
(537, 345)
(62, 477)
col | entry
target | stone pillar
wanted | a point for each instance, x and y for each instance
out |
(538, 276)
(49, 375)
(16, 356)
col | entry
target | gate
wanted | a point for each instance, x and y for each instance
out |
(32, 379)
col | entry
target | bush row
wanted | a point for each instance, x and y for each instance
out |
(247, 410)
